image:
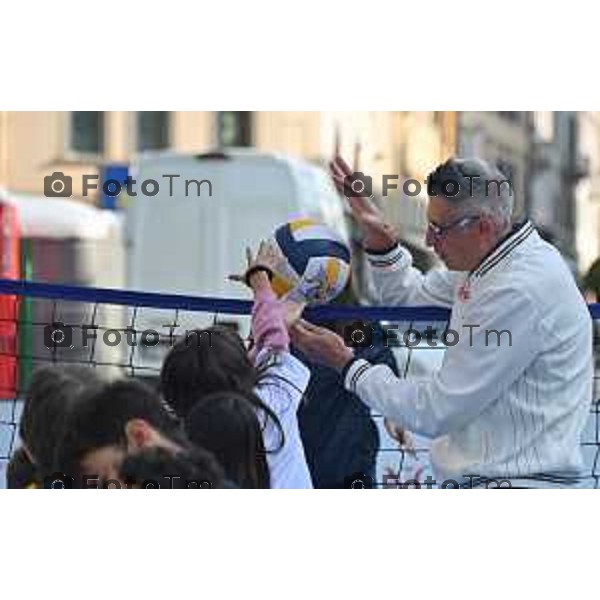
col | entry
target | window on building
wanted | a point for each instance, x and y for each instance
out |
(86, 132)
(514, 116)
(152, 130)
(234, 128)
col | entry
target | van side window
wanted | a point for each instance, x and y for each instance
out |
(234, 128)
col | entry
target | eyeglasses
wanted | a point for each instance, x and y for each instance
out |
(439, 231)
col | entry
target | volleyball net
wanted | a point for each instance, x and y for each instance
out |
(127, 334)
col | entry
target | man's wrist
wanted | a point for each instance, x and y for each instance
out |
(381, 251)
(343, 359)
(353, 372)
(344, 370)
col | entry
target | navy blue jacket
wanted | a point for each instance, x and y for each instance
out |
(340, 438)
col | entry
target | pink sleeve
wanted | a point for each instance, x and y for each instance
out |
(268, 325)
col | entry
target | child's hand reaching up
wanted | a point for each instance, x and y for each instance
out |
(259, 269)
(271, 317)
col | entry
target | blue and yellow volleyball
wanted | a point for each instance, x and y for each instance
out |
(312, 262)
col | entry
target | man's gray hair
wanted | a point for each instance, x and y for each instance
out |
(482, 189)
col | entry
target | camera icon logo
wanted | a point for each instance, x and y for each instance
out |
(358, 185)
(358, 481)
(58, 481)
(58, 335)
(358, 335)
(58, 185)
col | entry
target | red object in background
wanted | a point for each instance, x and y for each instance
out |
(10, 268)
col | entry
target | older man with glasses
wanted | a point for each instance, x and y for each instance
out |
(514, 391)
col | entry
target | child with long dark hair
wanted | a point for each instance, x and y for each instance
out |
(216, 360)
(227, 425)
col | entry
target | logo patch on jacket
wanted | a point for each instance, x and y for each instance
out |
(464, 292)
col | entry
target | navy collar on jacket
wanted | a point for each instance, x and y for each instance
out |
(514, 238)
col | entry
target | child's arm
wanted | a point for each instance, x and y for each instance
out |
(270, 316)
(268, 322)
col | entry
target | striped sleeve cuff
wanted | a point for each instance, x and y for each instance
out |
(353, 371)
(391, 258)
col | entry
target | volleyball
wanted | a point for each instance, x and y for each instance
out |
(312, 262)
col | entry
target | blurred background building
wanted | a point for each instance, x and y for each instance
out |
(587, 193)
(552, 158)
(503, 138)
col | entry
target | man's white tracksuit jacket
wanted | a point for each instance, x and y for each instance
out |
(501, 406)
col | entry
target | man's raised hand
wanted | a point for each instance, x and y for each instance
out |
(378, 235)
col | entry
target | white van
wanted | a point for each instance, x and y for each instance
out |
(186, 234)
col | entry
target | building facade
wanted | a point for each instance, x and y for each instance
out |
(587, 193)
(30, 142)
(558, 168)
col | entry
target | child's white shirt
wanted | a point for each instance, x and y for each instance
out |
(281, 388)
